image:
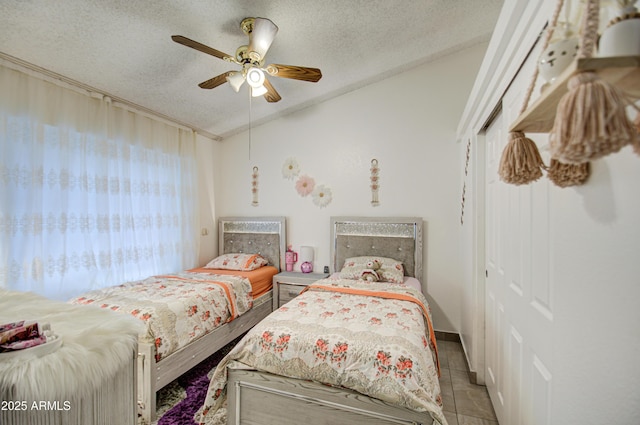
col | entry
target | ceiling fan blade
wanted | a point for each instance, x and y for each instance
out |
(312, 75)
(200, 47)
(271, 95)
(215, 81)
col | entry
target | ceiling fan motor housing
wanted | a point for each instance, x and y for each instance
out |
(247, 25)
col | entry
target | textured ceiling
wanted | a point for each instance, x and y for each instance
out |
(123, 48)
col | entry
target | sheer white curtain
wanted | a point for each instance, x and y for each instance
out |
(91, 194)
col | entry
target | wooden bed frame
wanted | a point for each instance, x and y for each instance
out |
(256, 397)
(262, 235)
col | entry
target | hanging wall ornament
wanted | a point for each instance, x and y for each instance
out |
(591, 120)
(375, 182)
(464, 185)
(621, 37)
(464, 191)
(254, 187)
(636, 144)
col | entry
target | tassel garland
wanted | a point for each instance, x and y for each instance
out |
(521, 162)
(590, 122)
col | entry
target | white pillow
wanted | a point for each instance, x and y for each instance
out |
(241, 262)
(390, 271)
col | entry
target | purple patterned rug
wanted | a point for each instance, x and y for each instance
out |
(181, 399)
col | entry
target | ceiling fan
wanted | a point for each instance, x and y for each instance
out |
(261, 32)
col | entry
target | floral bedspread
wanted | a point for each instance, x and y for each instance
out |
(176, 309)
(374, 338)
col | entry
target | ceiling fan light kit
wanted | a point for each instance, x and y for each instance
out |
(255, 77)
(235, 79)
(261, 34)
(258, 91)
(250, 57)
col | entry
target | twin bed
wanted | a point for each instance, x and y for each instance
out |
(191, 315)
(346, 350)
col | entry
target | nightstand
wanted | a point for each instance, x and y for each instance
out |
(288, 285)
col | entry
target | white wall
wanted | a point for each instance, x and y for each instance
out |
(595, 272)
(207, 151)
(407, 122)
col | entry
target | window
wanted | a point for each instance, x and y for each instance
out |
(91, 194)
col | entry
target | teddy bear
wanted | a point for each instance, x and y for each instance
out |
(371, 274)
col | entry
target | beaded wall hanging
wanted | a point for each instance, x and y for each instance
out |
(464, 185)
(254, 187)
(375, 182)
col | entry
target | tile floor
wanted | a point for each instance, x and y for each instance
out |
(464, 403)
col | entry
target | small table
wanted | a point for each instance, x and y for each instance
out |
(288, 285)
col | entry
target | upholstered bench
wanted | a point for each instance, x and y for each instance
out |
(88, 378)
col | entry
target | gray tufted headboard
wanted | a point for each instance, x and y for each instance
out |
(399, 238)
(254, 235)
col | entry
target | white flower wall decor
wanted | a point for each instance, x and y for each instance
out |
(321, 196)
(290, 169)
(306, 185)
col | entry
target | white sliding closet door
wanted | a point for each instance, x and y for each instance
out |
(518, 311)
(495, 297)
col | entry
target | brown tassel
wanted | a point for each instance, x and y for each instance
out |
(520, 162)
(565, 175)
(590, 122)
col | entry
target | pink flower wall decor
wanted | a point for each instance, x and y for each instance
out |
(305, 185)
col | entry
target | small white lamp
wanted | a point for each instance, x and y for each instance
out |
(306, 256)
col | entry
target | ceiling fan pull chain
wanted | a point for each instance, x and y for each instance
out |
(250, 122)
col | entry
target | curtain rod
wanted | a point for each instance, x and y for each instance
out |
(92, 91)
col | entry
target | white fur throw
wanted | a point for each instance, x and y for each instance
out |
(96, 344)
